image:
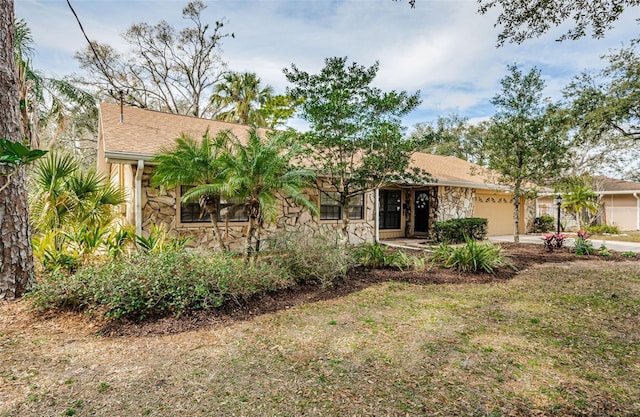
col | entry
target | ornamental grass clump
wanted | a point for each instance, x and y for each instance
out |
(377, 256)
(473, 256)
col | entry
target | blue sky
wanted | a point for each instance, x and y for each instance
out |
(442, 48)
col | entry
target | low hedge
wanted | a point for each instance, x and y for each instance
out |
(455, 231)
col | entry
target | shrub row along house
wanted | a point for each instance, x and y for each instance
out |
(129, 139)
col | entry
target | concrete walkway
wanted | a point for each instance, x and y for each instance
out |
(611, 245)
(423, 244)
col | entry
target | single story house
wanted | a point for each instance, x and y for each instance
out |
(129, 137)
(619, 199)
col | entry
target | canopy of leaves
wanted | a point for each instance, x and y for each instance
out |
(452, 136)
(526, 140)
(605, 113)
(356, 137)
(524, 19)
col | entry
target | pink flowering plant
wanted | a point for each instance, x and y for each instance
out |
(553, 241)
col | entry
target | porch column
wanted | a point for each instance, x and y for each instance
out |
(138, 196)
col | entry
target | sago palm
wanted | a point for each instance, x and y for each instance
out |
(258, 173)
(580, 199)
(191, 162)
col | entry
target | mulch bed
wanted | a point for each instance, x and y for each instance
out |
(522, 255)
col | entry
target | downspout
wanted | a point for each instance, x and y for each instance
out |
(138, 197)
(376, 216)
(637, 210)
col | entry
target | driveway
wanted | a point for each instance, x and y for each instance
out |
(611, 245)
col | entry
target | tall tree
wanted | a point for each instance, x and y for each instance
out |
(260, 171)
(605, 111)
(525, 142)
(524, 19)
(191, 162)
(53, 111)
(16, 256)
(238, 98)
(356, 137)
(165, 69)
(452, 136)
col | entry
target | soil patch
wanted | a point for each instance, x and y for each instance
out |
(523, 256)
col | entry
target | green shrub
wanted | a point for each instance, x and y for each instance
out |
(600, 229)
(310, 257)
(377, 256)
(455, 231)
(629, 254)
(583, 246)
(158, 284)
(473, 256)
(543, 224)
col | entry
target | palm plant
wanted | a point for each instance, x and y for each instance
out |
(47, 102)
(71, 210)
(239, 98)
(258, 173)
(579, 200)
(63, 195)
(198, 163)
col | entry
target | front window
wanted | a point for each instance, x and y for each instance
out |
(330, 208)
(192, 212)
(390, 206)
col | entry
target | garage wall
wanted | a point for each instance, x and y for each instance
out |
(497, 208)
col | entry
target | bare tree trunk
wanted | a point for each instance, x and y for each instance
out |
(16, 256)
(516, 212)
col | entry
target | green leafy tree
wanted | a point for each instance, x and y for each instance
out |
(277, 109)
(605, 111)
(356, 139)
(165, 69)
(260, 171)
(191, 162)
(523, 19)
(452, 136)
(525, 142)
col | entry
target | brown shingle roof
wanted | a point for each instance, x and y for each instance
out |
(146, 132)
(450, 168)
(603, 183)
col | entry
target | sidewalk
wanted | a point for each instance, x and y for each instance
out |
(611, 245)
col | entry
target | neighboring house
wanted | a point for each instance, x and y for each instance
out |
(620, 204)
(128, 141)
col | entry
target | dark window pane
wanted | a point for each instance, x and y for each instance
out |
(235, 211)
(390, 206)
(192, 212)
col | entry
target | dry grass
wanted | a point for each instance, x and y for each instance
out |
(553, 341)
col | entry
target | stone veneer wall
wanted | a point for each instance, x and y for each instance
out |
(160, 209)
(455, 203)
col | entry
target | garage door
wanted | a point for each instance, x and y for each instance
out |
(497, 208)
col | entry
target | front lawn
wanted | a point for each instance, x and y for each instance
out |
(558, 339)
